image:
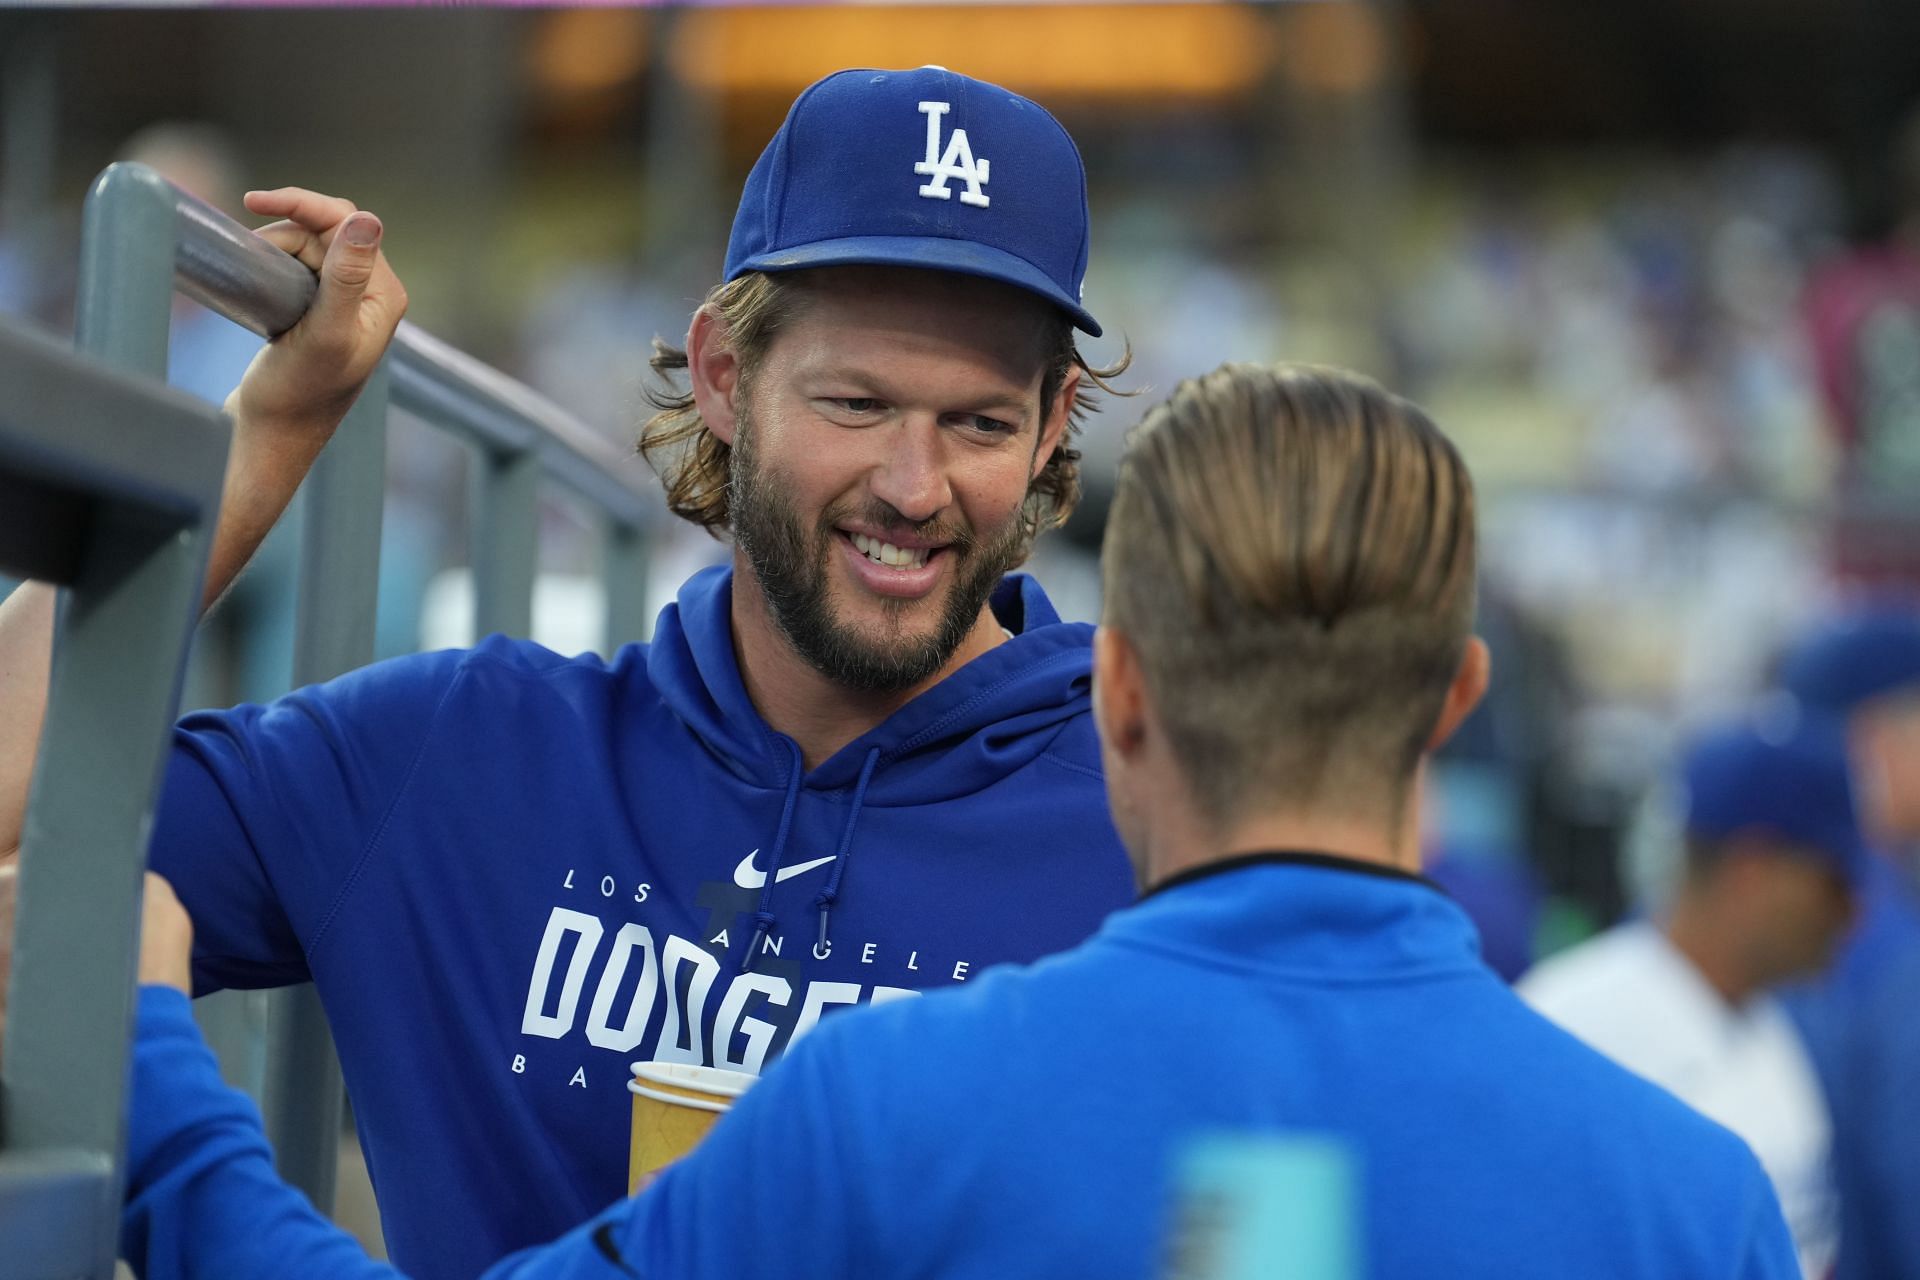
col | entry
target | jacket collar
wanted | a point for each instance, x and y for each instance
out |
(1306, 914)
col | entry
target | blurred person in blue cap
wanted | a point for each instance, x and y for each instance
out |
(1773, 854)
(857, 763)
(1864, 670)
(1859, 1019)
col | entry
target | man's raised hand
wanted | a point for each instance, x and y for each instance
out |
(305, 380)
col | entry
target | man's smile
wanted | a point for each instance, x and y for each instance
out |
(889, 568)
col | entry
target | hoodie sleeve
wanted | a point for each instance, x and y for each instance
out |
(267, 811)
(203, 1200)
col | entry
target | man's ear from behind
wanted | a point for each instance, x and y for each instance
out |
(1120, 717)
(1119, 695)
(1469, 686)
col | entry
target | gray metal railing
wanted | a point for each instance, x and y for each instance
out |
(124, 531)
(142, 240)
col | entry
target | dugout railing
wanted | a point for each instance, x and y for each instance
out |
(142, 240)
(123, 528)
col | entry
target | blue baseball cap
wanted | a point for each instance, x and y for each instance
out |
(922, 168)
(1860, 657)
(1788, 779)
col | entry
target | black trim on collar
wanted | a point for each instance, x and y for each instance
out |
(1290, 857)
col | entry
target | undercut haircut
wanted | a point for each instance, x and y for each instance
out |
(1290, 553)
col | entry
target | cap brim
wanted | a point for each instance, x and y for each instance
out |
(932, 253)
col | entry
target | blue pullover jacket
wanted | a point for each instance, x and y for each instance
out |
(1859, 1021)
(1025, 1126)
(511, 874)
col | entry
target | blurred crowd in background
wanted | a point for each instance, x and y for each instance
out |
(1654, 265)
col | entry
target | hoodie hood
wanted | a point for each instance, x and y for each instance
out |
(986, 720)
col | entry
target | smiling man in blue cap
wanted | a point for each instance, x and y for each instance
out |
(856, 764)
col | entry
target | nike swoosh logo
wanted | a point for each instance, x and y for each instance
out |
(748, 876)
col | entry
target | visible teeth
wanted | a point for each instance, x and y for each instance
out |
(886, 553)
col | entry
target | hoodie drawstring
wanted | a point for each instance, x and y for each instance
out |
(763, 919)
(829, 895)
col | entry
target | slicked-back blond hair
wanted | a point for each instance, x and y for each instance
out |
(1290, 552)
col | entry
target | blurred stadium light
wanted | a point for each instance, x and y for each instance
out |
(1128, 51)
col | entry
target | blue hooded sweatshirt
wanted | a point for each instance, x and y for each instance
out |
(511, 874)
(1028, 1125)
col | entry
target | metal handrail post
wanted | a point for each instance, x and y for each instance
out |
(506, 541)
(126, 270)
(127, 477)
(144, 238)
(87, 859)
(302, 1092)
(623, 575)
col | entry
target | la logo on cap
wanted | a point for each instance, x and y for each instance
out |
(956, 162)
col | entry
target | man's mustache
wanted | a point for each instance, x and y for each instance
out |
(882, 516)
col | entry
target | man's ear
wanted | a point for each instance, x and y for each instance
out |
(1053, 427)
(714, 372)
(1119, 694)
(1464, 694)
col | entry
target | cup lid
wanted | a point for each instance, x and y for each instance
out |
(692, 1077)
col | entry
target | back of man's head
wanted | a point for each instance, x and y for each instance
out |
(1290, 554)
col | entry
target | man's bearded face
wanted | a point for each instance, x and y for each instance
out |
(900, 641)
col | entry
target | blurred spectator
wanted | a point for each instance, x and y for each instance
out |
(1772, 850)
(1863, 311)
(1862, 1020)
(206, 353)
(1866, 669)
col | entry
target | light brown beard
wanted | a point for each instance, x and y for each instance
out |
(791, 569)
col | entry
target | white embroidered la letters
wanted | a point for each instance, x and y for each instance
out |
(956, 162)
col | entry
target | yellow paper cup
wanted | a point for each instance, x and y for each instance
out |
(674, 1104)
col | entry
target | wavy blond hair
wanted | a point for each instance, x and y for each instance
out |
(694, 464)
